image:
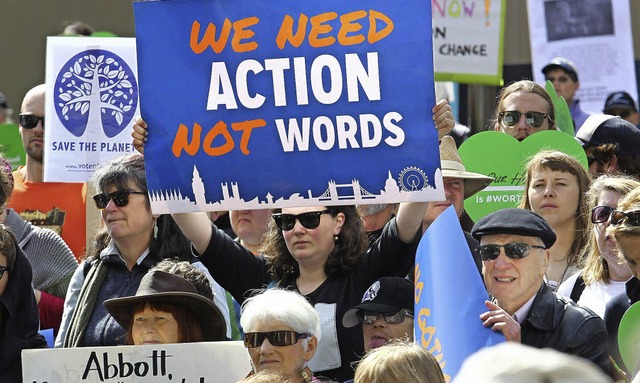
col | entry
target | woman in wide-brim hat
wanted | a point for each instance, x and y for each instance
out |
(167, 309)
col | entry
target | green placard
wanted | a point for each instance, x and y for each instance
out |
(501, 156)
(564, 122)
(11, 145)
(629, 337)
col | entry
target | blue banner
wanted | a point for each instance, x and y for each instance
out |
(450, 296)
(256, 104)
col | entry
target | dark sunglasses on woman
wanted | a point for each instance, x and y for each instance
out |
(510, 118)
(30, 121)
(600, 214)
(513, 250)
(309, 220)
(276, 338)
(633, 217)
(119, 197)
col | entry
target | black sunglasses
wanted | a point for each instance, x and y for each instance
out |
(120, 198)
(310, 220)
(600, 214)
(633, 217)
(30, 121)
(510, 118)
(2, 270)
(276, 338)
(369, 317)
(513, 250)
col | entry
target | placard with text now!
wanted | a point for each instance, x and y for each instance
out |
(254, 105)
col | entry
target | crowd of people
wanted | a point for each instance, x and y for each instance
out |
(326, 293)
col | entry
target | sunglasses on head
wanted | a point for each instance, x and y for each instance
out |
(30, 121)
(276, 338)
(511, 117)
(561, 79)
(309, 220)
(513, 250)
(369, 317)
(600, 214)
(633, 217)
(119, 197)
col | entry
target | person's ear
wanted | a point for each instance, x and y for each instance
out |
(545, 261)
(611, 165)
(311, 347)
(340, 218)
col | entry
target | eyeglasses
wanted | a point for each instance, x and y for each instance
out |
(310, 220)
(30, 121)
(276, 338)
(561, 79)
(510, 118)
(633, 217)
(369, 317)
(2, 270)
(120, 198)
(600, 214)
(513, 250)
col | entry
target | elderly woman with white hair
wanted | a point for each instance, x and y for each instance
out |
(282, 331)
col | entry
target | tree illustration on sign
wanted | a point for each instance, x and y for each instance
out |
(96, 89)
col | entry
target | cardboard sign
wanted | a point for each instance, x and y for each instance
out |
(501, 156)
(91, 99)
(215, 362)
(468, 39)
(254, 106)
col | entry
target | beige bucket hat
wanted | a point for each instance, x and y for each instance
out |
(452, 167)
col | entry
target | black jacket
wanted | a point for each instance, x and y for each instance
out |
(20, 320)
(616, 308)
(556, 322)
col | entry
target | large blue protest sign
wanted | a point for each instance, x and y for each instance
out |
(450, 296)
(255, 105)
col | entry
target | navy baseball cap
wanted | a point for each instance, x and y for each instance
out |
(516, 222)
(619, 100)
(387, 294)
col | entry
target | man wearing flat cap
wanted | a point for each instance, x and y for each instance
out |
(514, 248)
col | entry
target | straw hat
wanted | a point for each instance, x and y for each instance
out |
(452, 167)
(159, 286)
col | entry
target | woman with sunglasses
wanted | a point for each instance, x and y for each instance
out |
(282, 331)
(625, 229)
(131, 241)
(554, 188)
(524, 108)
(604, 273)
(319, 251)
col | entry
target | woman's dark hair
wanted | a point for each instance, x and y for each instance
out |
(8, 245)
(351, 243)
(189, 328)
(123, 173)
